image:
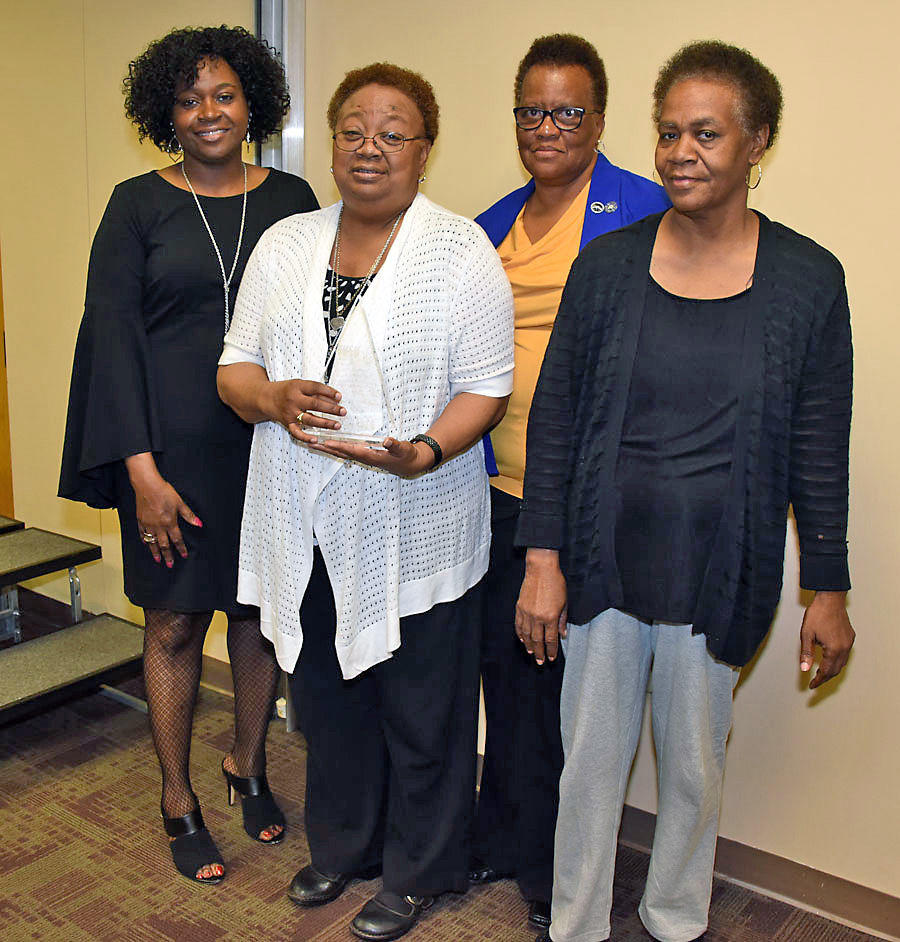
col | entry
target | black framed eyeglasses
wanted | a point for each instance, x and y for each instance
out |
(566, 118)
(388, 142)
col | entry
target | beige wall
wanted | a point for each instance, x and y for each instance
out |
(811, 778)
(66, 144)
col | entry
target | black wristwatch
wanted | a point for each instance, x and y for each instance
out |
(433, 445)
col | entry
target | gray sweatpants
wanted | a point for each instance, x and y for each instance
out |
(608, 663)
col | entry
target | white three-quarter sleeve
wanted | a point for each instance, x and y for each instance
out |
(232, 354)
(481, 326)
(494, 386)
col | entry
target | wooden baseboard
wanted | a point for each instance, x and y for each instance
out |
(840, 900)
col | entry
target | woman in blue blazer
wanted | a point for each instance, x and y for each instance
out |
(574, 195)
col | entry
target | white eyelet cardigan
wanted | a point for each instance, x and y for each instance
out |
(440, 316)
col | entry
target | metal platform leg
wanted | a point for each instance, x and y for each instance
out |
(9, 614)
(289, 715)
(75, 594)
(125, 698)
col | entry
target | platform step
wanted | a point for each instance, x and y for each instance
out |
(100, 649)
(8, 524)
(27, 554)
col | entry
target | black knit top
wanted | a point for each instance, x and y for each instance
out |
(790, 444)
(676, 450)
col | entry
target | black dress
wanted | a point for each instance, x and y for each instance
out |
(144, 377)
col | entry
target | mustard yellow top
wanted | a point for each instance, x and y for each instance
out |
(537, 273)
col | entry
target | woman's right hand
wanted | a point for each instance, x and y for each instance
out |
(158, 506)
(542, 607)
(292, 402)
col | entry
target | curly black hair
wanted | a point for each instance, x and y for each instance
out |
(171, 63)
(566, 49)
(413, 85)
(758, 90)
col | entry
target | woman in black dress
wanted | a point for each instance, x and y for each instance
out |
(146, 431)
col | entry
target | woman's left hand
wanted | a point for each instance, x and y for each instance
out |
(826, 623)
(398, 457)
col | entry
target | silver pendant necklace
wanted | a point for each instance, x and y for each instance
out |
(345, 312)
(226, 280)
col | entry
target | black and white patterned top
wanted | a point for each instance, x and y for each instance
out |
(347, 287)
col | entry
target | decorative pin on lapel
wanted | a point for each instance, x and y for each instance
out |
(600, 207)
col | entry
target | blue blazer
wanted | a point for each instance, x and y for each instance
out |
(616, 198)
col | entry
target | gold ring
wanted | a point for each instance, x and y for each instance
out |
(300, 417)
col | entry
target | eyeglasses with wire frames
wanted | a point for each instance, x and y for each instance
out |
(388, 142)
(566, 118)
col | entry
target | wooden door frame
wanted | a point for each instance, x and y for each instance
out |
(6, 483)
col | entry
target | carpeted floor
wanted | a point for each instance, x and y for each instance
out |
(83, 856)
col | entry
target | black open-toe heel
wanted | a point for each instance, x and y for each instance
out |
(193, 848)
(261, 812)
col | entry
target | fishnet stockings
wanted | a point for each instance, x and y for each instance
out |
(173, 650)
(255, 673)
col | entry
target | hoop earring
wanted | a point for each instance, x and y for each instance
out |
(599, 146)
(753, 186)
(423, 178)
(331, 170)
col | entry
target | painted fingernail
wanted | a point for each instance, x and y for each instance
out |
(198, 522)
(170, 563)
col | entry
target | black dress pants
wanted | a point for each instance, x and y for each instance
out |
(390, 769)
(519, 797)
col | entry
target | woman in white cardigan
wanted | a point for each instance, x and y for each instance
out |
(372, 346)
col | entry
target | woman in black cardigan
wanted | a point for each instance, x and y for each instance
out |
(698, 380)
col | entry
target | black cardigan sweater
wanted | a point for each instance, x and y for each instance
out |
(791, 438)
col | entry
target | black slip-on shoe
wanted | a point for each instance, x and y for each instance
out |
(310, 887)
(538, 914)
(388, 916)
(482, 873)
